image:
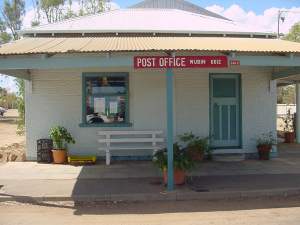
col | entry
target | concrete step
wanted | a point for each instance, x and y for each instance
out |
(233, 157)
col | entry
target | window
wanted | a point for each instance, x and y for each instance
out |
(105, 99)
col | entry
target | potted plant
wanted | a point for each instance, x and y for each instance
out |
(264, 145)
(60, 137)
(182, 163)
(289, 134)
(195, 146)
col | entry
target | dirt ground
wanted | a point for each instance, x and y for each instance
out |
(12, 146)
(269, 211)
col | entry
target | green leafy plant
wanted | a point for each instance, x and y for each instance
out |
(181, 159)
(196, 144)
(266, 139)
(60, 137)
(192, 141)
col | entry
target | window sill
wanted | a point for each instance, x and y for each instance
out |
(106, 125)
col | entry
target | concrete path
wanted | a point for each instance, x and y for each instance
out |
(143, 189)
(142, 181)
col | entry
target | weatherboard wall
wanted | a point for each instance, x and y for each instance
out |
(54, 97)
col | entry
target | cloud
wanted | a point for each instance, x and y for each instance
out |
(262, 22)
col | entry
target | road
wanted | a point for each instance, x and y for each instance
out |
(257, 211)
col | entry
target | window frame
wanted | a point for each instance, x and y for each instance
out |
(84, 95)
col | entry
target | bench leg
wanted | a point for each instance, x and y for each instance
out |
(107, 156)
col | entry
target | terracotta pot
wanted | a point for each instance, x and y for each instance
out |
(289, 137)
(179, 177)
(59, 156)
(264, 152)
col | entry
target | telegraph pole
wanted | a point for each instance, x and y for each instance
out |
(278, 23)
(281, 18)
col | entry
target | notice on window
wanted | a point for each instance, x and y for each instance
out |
(113, 107)
(99, 105)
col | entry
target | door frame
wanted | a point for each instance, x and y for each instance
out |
(238, 75)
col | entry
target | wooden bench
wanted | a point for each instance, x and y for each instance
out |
(129, 140)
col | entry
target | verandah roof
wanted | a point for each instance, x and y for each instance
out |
(55, 45)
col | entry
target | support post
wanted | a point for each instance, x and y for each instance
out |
(169, 79)
(298, 112)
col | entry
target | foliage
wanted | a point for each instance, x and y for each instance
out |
(53, 9)
(192, 141)
(7, 100)
(288, 122)
(294, 33)
(60, 137)
(181, 159)
(59, 10)
(21, 106)
(3, 92)
(286, 94)
(4, 36)
(93, 6)
(266, 139)
(12, 13)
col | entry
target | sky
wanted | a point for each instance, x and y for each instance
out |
(261, 14)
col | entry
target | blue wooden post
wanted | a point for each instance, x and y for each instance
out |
(169, 80)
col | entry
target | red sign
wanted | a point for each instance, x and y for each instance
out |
(155, 62)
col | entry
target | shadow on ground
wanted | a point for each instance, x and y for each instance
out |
(163, 207)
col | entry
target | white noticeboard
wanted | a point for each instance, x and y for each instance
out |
(99, 105)
(113, 107)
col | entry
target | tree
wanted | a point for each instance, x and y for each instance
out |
(294, 33)
(4, 36)
(286, 94)
(3, 93)
(7, 99)
(53, 9)
(93, 6)
(21, 106)
(59, 10)
(12, 14)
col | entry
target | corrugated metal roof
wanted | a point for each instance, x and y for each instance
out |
(176, 4)
(145, 21)
(129, 44)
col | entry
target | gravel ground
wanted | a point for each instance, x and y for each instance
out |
(12, 146)
(267, 211)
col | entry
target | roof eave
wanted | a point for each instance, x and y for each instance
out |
(32, 32)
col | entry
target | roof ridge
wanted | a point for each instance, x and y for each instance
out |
(177, 4)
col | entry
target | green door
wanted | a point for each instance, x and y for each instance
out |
(225, 110)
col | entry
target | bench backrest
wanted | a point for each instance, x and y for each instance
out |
(119, 137)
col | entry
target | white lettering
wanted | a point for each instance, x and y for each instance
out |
(146, 62)
(216, 62)
(170, 62)
(198, 62)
